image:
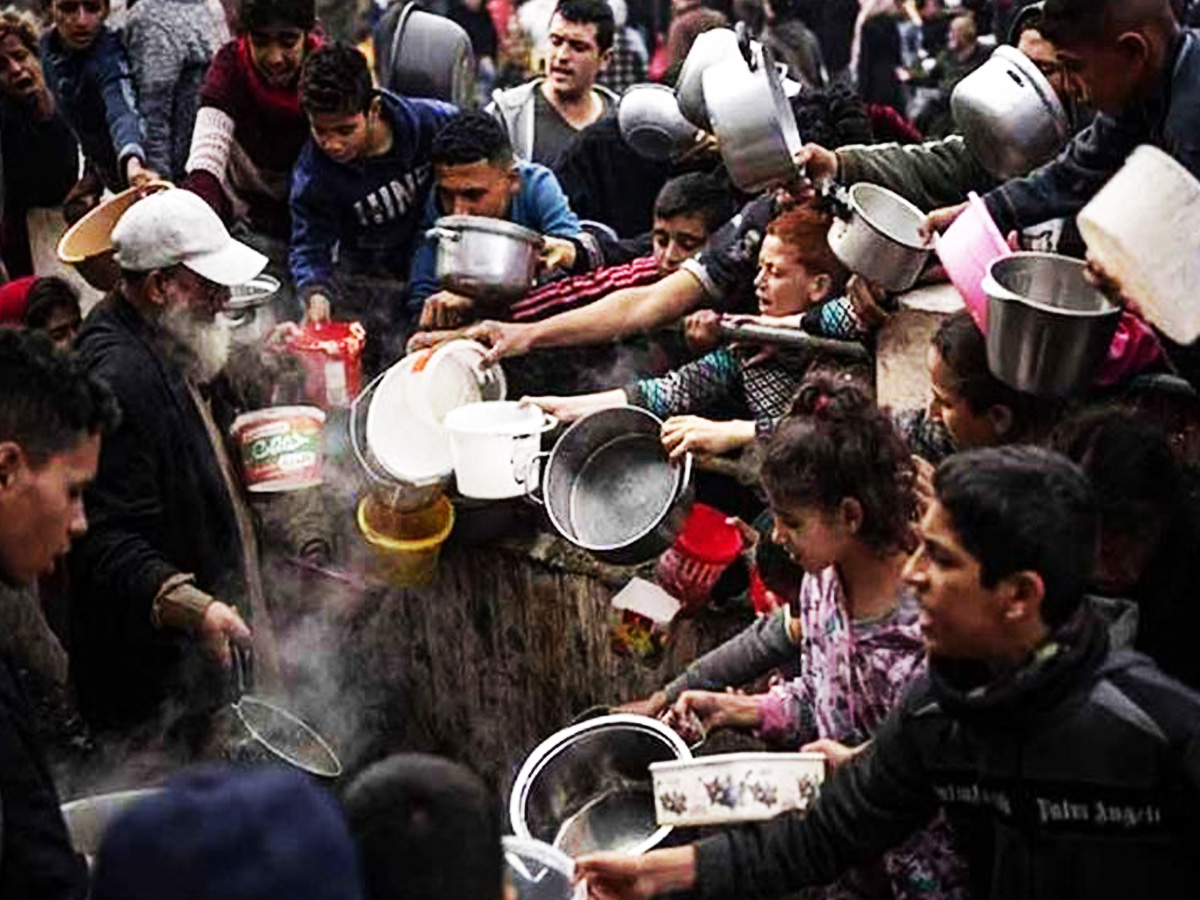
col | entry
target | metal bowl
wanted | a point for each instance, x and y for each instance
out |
(249, 314)
(587, 788)
(1048, 327)
(651, 123)
(878, 236)
(1010, 116)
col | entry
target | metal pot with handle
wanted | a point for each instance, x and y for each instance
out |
(1009, 115)
(610, 489)
(420, 54)
(485, 258)
(710, 48)
(753, 122)
(877, 234)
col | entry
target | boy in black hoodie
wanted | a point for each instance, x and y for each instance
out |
(1068, 766)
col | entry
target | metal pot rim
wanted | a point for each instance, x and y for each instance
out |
(260, 290)
(996, 291)
(546, 751)
(866, 186)
(488, 225)
(331, 772)
(682, 477)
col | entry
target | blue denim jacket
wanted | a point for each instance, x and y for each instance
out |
(93, 89)
(1169, 118)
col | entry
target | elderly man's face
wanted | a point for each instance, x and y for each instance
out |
(188, 306)
(21, 77)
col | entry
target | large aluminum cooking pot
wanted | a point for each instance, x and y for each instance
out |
(419, 54)
(877, 235)
(485, 258)
(1009, 115)
(249, 314)
(1048, 327)
(88, 818)
(587, 788)
(610, 489)
(650, 122)
(709, 48)
(753, 122)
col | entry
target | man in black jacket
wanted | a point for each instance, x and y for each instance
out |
(1067, 768)
(170, 529)
(51, 419)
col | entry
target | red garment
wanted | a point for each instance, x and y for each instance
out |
(889, 125)
(14, 300)
(269, 131)
(580, 290)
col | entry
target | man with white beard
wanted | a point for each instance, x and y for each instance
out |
(161, 582)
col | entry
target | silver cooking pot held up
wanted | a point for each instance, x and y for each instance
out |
(710, 48)
(753, 121)
(609, 488)
(877, 235)
(419, 54)
(651, 123)
(485, 258)
(1049, 328)
(1009, 115)
(587, 788)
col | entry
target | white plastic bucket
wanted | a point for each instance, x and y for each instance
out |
(1143, 228)
(492, 445)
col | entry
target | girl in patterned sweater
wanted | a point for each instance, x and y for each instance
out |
(840, 481)
(717, 404)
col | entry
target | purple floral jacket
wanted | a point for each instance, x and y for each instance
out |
(852, 674)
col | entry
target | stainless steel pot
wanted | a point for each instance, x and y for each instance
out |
(709, 48)
(609, 488)
(88, 818)
(1009, 115)
(651, 123)
(485, 258)
(587, 788)
(424, 55)
(753, 122)
(877, 235)
(1048, 327)
(250, 314)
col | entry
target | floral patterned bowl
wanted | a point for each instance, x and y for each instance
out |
(735, 787)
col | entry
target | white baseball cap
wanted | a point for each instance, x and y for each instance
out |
(176, 227)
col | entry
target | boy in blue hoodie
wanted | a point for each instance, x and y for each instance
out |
(88, 72)
(360, 185)
(475, 174)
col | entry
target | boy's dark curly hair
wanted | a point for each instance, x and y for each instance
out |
(832, 117)
(836, 444)
(336, 81)
(262, 14)
(471, 136)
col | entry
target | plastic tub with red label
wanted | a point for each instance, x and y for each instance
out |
(281, 448)
(332, 356)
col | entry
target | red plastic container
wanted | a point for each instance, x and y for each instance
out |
(699, 556)
(332, 356)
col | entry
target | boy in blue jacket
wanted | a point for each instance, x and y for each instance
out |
(88, 72)
(360, 185)
(475, 174)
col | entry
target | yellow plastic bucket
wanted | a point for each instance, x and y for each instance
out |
(406, 544)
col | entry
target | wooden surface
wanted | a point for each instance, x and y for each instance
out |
(506, 648)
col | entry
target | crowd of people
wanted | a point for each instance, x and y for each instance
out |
(982, 609)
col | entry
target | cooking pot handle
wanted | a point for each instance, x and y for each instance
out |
(243, 669)
(534, 493)
(444, 234)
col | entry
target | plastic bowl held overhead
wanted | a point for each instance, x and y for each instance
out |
(966, 250)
